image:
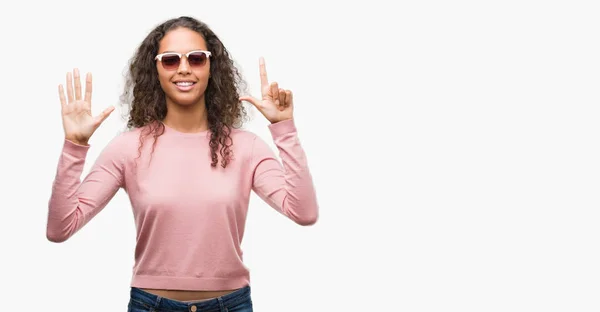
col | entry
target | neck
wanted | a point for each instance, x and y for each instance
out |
(187, 118)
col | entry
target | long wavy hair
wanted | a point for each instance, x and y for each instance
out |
(147, 101)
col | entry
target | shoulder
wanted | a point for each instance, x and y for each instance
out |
(243, 137)
(250, 144)
(241, 134)
(243, 141)
(125, 137)
(122, 143)
(254, 147)
(277, 131)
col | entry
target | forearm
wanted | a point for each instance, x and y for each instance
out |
(73, 203)
(64, 215)
(288, 186)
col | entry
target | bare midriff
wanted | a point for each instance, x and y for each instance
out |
(186, 295)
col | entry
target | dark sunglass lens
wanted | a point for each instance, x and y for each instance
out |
(197, 59)
(170, 61)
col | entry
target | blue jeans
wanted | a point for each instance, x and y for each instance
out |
(237, 301)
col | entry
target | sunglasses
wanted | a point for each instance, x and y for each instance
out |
(171, 60)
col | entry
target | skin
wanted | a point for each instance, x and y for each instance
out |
(186, 111)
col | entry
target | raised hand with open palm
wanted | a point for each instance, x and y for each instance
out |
(276, 104)
(78, 122)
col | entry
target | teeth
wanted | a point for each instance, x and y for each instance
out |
(184, 84)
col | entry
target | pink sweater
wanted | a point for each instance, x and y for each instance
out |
(189, 216)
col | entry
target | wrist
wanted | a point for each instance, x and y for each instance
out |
(283, 127)
(280, 121)
(77, 141)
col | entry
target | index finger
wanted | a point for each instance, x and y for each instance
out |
(264, 82)
(61, 96)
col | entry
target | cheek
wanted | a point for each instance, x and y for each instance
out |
(202, 73)
(164, 78)
(202, 76)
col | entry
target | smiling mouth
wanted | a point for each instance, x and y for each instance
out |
(185, 84)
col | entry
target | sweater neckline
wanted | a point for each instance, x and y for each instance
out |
(175, 132)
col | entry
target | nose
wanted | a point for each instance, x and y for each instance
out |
(184, 66)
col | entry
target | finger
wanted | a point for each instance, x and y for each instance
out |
(264, 81)
(88, 88)
(281, 98)
(103, 115)
(288, 98)
(254, 101)
(61, 95)
(77, 84)
(69, 87)
(275, 92)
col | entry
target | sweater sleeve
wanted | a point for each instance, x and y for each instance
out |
(73, 203)
(287, 187)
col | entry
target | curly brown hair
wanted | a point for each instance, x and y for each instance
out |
(147, 100)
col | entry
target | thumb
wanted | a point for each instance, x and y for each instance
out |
(103, 115)
(254, 101)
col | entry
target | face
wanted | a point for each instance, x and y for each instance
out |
(183, 81)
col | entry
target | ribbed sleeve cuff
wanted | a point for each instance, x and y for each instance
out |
(282, 128)
(75, 150)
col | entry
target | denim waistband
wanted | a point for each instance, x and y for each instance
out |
(152, 301)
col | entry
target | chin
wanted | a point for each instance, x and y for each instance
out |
(185, 99)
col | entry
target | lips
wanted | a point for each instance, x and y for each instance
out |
(184, 85)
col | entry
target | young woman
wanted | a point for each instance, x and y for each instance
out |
(186, 166)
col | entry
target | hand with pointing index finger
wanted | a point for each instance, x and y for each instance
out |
(276, 104)
(78, 122)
